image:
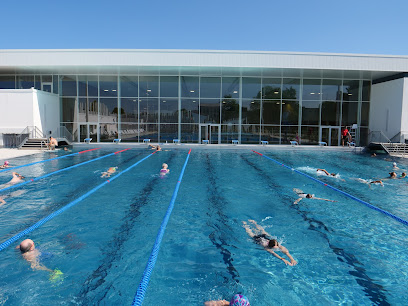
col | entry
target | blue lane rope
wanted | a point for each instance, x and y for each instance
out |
(6, 243)
(141, 290)
(338, 190)
(58, 171)
(45, 160)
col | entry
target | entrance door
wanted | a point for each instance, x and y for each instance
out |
(210, 132)
(46, 86)
(88, 131)
(330, 135)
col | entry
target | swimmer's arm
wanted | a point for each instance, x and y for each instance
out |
(278, 257)
(285, 251)
(327, 173)
(297, 201)
(2, 202)
(323, 199)
(35, 265)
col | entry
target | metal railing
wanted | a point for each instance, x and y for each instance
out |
(62, 132)
(17, 140)
(378, 136)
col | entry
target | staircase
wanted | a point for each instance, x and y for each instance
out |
(34, 144)
(395, 149)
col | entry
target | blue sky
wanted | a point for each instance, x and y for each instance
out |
(359, 26)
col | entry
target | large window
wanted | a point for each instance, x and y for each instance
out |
(209, 111)
(210, 87)
(162, 108)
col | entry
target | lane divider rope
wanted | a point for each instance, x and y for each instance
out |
(141, 290)
(45, 160)
(338, 190)
(8, 242)
(58, 171)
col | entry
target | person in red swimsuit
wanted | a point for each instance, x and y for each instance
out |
(345, 135)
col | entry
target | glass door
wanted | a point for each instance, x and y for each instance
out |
(83, 132)
(210, 132)
(88, 131)
(215, 136)
(330, 135)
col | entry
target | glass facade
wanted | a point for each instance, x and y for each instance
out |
(193, 108)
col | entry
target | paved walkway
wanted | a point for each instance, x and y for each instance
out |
(11, 153)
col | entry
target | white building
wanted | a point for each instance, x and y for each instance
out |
(193, 95)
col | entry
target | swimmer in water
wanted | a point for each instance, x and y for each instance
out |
(32, 255)
(403, 175)
(327, 173)
(393, 175)
(394, 166)
(236, 300)
(164, 169)
(109, 172)
(373, 155)
(376, 182)
(270, 245)
(16, 178)
(303, 195)
(5, 165)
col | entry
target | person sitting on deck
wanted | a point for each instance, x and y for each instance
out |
(52, 143)
(270, 245)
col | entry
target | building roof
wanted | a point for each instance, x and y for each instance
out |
(201, 62)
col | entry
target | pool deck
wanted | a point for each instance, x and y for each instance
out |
(11, 153)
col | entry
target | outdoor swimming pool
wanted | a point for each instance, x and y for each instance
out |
(347, 253)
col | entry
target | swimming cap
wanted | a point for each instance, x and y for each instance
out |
(394, 164)
(239, 300)
(6, 162)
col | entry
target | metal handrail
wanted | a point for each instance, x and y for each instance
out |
(372, 136)
(29, 132)
(62, 132)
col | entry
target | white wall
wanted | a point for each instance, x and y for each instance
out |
(386, 107)
(404, 112)
(20, 108)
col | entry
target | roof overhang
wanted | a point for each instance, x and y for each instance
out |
(201, 62)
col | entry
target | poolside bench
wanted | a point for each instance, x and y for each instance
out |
(147, 140)
(87, 140)
(322, 143)
(294, 143)
(235, 141)
(264, 142)
(117, 140)
(176, 140)
(205, 141)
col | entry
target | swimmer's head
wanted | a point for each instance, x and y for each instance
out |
(6, 162)
(26, 246)
(393, 174)
(394, 164)
(309, 196)
(239, 300)
(403, 174)
(165, 166)
(333, 174)
(273, 243)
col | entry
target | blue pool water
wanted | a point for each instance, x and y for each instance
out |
(347, 253)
